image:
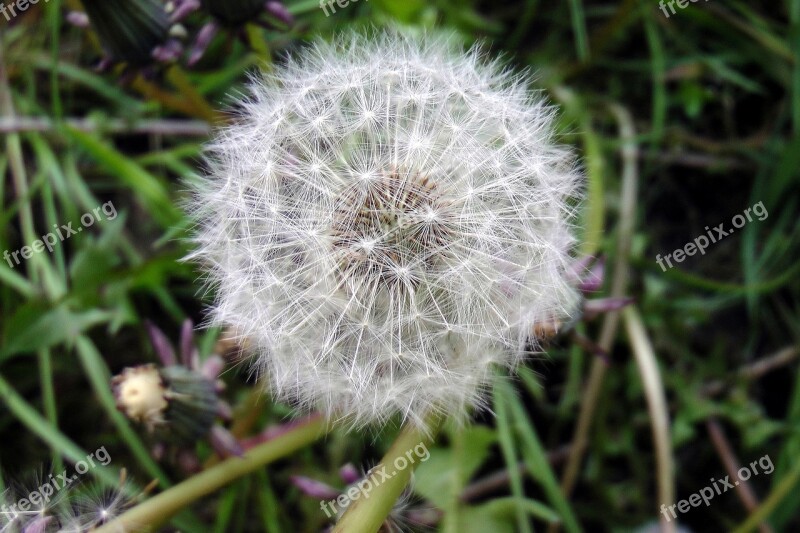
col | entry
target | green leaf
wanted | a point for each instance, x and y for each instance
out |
(37, 424)
(34, 326)
(509, 449)
(497, 515)
(403, 10)
(534, 455)
(149, 190)
(505, 507)
(91, 267)
(434, 479)
(485, 518)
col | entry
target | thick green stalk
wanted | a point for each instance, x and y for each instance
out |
(366, 515)
(151, 513)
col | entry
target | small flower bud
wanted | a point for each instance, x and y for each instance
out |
(175, 402)
(129, 29)
(139, 392)
(192, 403)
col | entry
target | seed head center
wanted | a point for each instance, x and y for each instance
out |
(392, 228)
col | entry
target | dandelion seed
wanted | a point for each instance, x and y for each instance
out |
(386, 222)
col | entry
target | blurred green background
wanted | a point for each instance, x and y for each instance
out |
(682, 122)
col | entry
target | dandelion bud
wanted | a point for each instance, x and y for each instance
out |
(130, 30)
(175, 402)
(387, 222)
(139, 392)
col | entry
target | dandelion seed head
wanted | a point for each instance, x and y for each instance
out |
(386, 222)
(94, 507)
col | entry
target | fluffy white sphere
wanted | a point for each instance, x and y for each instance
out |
(386, 221)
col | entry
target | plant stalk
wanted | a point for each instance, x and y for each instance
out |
(367, 515)
(151, 513)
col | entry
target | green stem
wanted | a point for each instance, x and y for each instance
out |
(99, 377)
(148, 515)
(368, 515)
(30, 418)
(49, 398)
(781, 490)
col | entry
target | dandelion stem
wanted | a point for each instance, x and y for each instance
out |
(367, 515)
(148, 515)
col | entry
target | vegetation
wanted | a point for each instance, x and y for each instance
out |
(682, 122)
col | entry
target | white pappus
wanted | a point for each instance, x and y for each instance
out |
(385, 221)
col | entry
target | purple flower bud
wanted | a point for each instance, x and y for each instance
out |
(591, 308)
(161, 344)
(349, 474)
(315, 489)
(224, 443)
(279, 11)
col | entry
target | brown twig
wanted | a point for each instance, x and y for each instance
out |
(695, 160)
(755, 369)
(151, 126)
(500, 479)
(728, 457)
(618, 289)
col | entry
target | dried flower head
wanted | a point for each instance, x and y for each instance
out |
(96, 505)
(137, 32)
(233, 16)
(178, 403)
(388, 220)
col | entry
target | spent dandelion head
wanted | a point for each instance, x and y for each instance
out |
(232, 16)
(136, 32)
(388, 220)
(96, 505)
(179, 403)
